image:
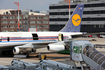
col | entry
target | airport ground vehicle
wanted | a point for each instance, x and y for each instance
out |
(92, 36)
(101, 36)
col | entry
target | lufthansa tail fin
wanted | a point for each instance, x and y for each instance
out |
(74, 23)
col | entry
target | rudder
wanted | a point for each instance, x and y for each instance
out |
(74, 23)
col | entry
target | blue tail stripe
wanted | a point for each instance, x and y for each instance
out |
(69, 27)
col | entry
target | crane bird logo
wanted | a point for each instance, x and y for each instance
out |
(76, 20)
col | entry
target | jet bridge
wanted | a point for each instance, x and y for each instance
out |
(83, 51)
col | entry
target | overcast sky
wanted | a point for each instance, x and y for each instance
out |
(36, 5)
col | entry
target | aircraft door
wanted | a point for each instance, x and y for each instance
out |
(8, 39)
(60, 37)
(35, 36)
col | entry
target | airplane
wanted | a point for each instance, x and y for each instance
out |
(27, 42)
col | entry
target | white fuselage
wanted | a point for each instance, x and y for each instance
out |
(19, 36)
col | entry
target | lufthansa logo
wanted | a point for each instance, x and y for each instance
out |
(76, 20)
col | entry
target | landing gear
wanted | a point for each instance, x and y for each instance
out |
(27, 55)
(7, 53)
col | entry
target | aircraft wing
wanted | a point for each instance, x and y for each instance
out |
(62, 45)
(22, 47)
(42, 44)
(82, 35)
(11, 45)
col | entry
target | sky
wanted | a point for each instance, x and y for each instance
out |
(35, 5)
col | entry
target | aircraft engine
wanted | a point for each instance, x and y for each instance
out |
(24, 49)
(56, 47)
(18, 50)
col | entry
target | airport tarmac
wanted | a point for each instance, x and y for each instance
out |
(52, 56)
(33, 57)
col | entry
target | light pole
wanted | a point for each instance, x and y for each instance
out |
(69, 6)
(69, 9)
(17, 3)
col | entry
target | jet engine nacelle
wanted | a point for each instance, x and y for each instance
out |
(16, 50)
(24, 49)
(56, 46)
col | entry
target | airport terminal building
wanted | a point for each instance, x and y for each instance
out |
(93, 19)
(9, 20)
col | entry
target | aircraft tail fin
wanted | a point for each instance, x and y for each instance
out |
(74, 23)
